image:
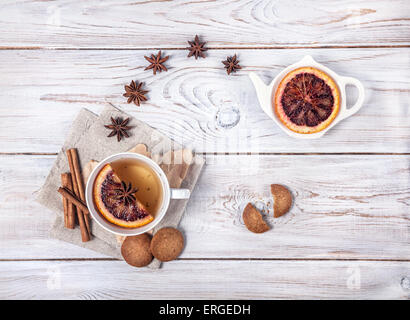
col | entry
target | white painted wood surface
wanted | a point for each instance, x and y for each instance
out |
(233, 23)
(352, 187)
(184, 101)
(344, 209)
(206, 280)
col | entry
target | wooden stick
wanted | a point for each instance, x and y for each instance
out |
(80, 183)
(85, 232)
(67, 183)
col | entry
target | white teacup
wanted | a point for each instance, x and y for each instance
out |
(167, 194)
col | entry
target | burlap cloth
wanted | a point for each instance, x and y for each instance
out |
(89, 136)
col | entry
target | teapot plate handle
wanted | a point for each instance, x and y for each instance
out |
(360, 100)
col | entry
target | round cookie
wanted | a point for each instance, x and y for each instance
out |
(283, 199)
(167, 244)
(253, 219)
(136, 250)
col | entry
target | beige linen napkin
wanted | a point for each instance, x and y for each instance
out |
(89, 136)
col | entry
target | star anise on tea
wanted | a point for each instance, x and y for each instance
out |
(196, 48)
(134, 93)
(156, 62)
(231, 64)
(118, 127)
(126, 193)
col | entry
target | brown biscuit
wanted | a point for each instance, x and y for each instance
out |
(282, 199)
(253, 219)
(135, 250)
(167, 244)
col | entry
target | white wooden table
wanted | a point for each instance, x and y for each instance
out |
(348, 233)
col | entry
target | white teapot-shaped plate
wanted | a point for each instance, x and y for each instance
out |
(266, 93)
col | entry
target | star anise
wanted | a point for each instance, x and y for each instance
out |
(126, 193)
(118, 128)
(197, 48)
(231, 64)
(134, 93)
(156, 62)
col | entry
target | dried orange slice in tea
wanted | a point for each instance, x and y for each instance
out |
(117, 202)
(307, 100)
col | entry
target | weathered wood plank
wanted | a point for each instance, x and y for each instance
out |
(42, 91)
(139, 24)
(206, 280)
(24, 223)
(346, 207)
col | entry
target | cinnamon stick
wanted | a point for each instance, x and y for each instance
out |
(71, 198)
(80, 206)
(80, 183)
(69, 209)
(85, 232)
(64, 178)
(72, 210)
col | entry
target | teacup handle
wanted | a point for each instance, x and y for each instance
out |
(359, 103)
(180, 193)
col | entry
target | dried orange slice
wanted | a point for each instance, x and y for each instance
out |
(307, 100)
(128, 214)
